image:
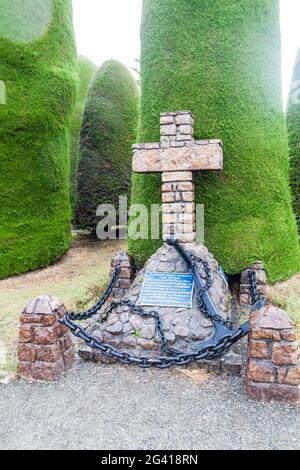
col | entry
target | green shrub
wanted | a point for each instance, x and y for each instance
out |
(108, 131)
(86, 70)
(38, 69)
(293, 122)
(221, 59)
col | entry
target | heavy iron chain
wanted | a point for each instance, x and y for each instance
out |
(208, 284)
(253, 288)
(171, 356)
(96, 308)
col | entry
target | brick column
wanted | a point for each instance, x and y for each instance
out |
(261, 281)
(178, 190)
(273, 371)
(45, 346)
(126, 276)
(178, 209)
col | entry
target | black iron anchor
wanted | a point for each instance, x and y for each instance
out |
(223, 334)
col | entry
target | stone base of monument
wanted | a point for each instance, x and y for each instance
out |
(184, 328)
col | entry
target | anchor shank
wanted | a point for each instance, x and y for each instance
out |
(192, 267)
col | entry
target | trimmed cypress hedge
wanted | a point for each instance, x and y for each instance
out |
(40, 78)
(221, 59)
(108, 130)
(293, 122)
(86, 70)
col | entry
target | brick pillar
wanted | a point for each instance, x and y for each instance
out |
(45, 346)
(273, 371)
(126, 276)
(178, 191)
(261, 280)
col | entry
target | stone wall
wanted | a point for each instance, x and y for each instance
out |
(45, 345)
(127, 274)
(273, 371)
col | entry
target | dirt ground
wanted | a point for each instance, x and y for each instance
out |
(77, 279)
(117, 407)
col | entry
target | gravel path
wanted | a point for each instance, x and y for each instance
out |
(114, 407)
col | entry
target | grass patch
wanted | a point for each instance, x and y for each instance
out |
(286, 295)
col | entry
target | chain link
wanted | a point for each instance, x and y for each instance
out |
(253, 288)
(176, 358)
(170, 356)
(96, 308)
(208, 284)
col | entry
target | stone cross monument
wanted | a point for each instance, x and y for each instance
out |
(177, 156)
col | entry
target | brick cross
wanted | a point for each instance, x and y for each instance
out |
(178, 156)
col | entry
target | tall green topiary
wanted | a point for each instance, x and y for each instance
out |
(221, 59)
(293, 122)
(86, 70)
(108, 131)
(37, 65)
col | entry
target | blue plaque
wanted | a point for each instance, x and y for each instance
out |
(167, 290)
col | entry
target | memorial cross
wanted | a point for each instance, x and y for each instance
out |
(178, 156)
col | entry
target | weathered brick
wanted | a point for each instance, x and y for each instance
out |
(48, 372)
(260, 372)
(51, 353)
(26, 352)
(61, 312)
(42, 306)
(30, 319)
(24, 370)
(63, 330)
(289, 375)
(260, 350)
(270, 392)
(186, 129)
(181, 186)
(118, 293)
(185, 118)
(175, 176)
(166, 120)
(68, 341)
(266, 334)
(187, 237)
(125, 273)
(123, 284)
(178, 196)
(48, 320)
(245, 299)
(25, 333)
(167, 129)
(288, 335)
(46, 335)
(273, 318)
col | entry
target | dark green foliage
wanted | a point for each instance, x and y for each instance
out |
(221, 59)
(86, 70)
(108, 131)
(40, 78)
(293, 122)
